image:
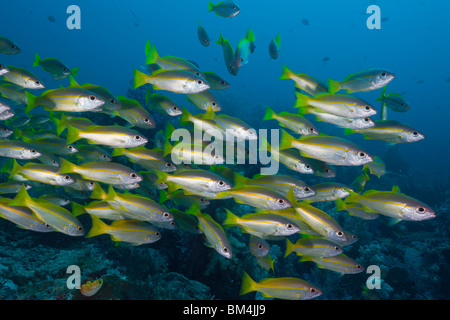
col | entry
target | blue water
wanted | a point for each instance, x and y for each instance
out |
(412, 43)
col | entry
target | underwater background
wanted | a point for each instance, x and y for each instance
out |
(326, 39)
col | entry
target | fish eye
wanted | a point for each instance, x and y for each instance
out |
(222, 82)
(225, 249)
(91, 183)
(362, 154)
(366, 119)
(92, 97)
(260, 246)
(420, 210)
(166, 215)
(306, 189)
(307, 166)
(67, 177)
(80, 228)
(213, 104)
(383, 74)
(202, 199)
(415, 133)
(311, 129)
(199, 81)
(367, 108)
(137, 137)
(14, 46)
(340, 234)
(337, 248)
(157, 234)
(175, 108)
(33, 151)
(280, 201)
(70, 147)
(358, 266)
(312, 290)
(168, 164)
(55, 162)
(133, 175)
(104, 156)
(221, 183)
(146, 120)
(37, 82)
(289, 226)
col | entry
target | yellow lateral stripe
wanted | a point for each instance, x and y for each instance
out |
(19, 212)
(52, 213)
(136, 204)
(323, 145)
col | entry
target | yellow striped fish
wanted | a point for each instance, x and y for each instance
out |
(57, 217)
(287, 288)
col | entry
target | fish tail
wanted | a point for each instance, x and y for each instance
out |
(72, 82)
(139, 78)
(340, 204)
(77, 209)
(353, 197)
(73, 134)
(98, 192)
(61, 124)
(333, 86)
(210, 6)
(167, 148)
(98, 227)
(348, 131)
(186, 116)
(111, 193)
(162, 177)
(264, 145)
(239, 180)
(248, 284)
(269, 114)
(286, 140)
(15, 169)
(31, 101)
(66, 166)
(169, 130)
(250, 35)
(163, 196)
(301, 100)
(209, 114)
(194, 209)
(74, 71)
(289, 248)
(304, 110)
(21, 199)
(148, 46)
(117, 152)
(152, 56)
(230, 219)
(286, 73)
(220, 40)
(36, 60)
(305, 259)
(220, 195)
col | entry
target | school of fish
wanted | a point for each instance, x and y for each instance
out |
(123, 178)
